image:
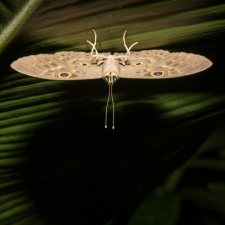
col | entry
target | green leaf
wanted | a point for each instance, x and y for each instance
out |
(157, 210)
(13, 15)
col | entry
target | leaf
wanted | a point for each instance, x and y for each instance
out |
(14, 15)
(157, 210)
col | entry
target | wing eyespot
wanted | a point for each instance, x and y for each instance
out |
(157, 73)
(64, 74)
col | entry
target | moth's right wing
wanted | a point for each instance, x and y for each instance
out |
(158, 64)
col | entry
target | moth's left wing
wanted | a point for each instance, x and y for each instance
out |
(60, 66)
(153, 64)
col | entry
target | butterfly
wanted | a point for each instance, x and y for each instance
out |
(146, 64)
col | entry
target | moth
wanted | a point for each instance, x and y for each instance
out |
(146, 64)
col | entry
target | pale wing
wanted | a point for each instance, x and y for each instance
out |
(60, 66)
(153, 64)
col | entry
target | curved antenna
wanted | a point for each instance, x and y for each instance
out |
(125, 45)
(106, 109)
(94, 44)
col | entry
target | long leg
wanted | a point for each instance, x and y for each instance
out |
(106, 108)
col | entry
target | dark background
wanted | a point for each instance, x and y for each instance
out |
(163, 163)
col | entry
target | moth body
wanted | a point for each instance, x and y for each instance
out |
(111, 69)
